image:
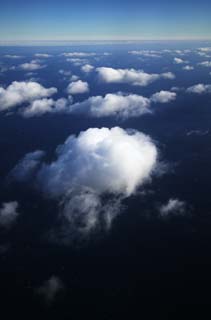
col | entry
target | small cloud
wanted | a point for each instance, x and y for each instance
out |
(205, 64)
(30, 66)
(8, 213)
(179, 61)
(188, 68)
(42, 55)
(172, 207)
(50, 289)
(200, 88)
(87, 68)
(163, 96)
(12, 56)
(79, 54)
(78, 87)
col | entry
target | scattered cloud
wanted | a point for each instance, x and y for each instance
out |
(172, 207)
(163, 96)
(8, 213)
(200, 88)
(30, 66)
(146, 53)
(18, 93)
(78, 87)
(87, 68)
(50, 289)
(205, 64)
(12, 56)
(113, 104)
(132, 76)
(43, 55)
(188, 68)
(43, 106)
(79, 54)
(179, 61)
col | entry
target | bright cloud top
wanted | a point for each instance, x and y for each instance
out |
(88, 167)
(78, 87)
(163, 96)
(132, 76)
(31, 66)
(200, 88)
(123, 106)
(22, 92)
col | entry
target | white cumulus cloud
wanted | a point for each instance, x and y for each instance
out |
(87, 68)
(200, 88)
(21, 92)
(78, 87)
(131, 76)
(163, 96)
(31, 66)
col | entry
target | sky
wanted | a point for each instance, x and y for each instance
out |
(104, 20)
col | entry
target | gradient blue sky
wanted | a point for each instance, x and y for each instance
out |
(104, 20)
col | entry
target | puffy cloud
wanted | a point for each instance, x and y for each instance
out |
(43, 55)
(78, 87)
(205, 49)
(42, 106)
(33, 65)
(179, 61)
(123, 106)
(205, 64)
(21, 92)
(200, 88)
(132, 76)
(28, 166)
(89, 168)
(51, 288)
(77, 61)
(8, 213)
(79, 54)
(188, 68)
(163, 96)
(87, 68)
(172, 207)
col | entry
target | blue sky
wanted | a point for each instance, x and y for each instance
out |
(104, 20)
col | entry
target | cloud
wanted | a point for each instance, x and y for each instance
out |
(113, 104)
(205, 49)
(12, 56)
(42, 106)
(179, 61)
(50, 289)
(8, 213)
(42, 55)
(200, 88)
(146, 53)
(205, 64)
(30, 66)
(188, 68)
(172, 207)
(78, 87)
(163, 96)
(87, 68)
(79, 54)
(131, 76)
(90, 179)
(28, 166)
(21, 92)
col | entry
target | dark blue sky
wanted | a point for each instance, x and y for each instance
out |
(98, 19)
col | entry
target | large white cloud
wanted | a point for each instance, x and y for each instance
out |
(200, 88)
(8, 213)
(131, 76)
(21, 92)
(163, 96)
(113, 104)
(78, 87)
(97, 163)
